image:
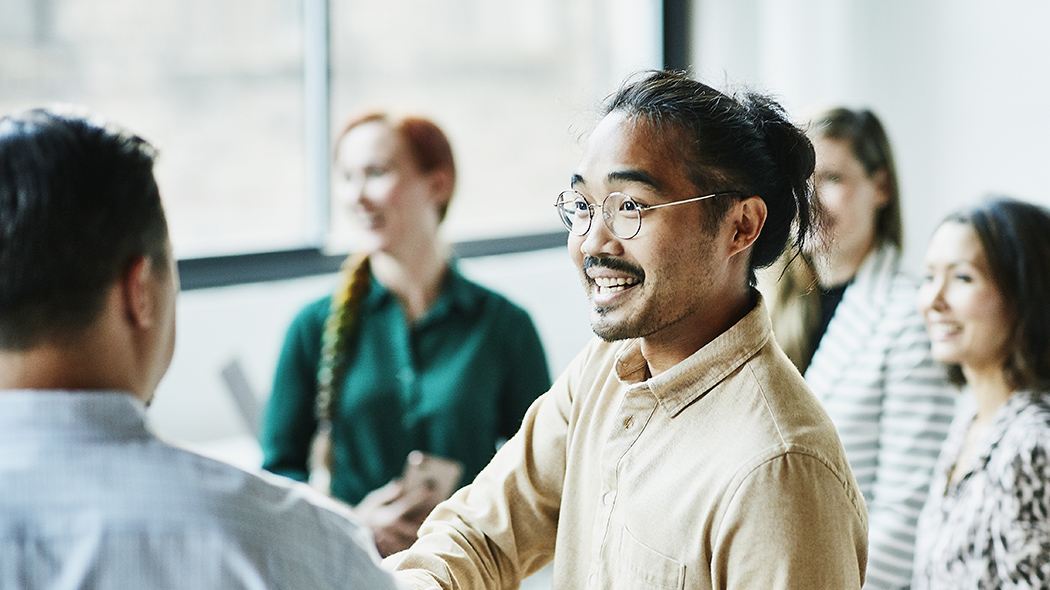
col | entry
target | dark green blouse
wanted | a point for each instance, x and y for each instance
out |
(452, 384)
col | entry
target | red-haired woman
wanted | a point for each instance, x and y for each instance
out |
(407, 354)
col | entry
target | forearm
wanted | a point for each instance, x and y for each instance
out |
(501, 528)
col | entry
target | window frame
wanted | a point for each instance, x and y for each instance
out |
(312, 259)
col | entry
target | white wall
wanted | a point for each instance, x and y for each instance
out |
(961, 85)
(193, 406)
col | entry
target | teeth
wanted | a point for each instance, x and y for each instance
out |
(940, 330)
(615, 284)
(370, 220)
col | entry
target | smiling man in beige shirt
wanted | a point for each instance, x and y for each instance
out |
(680, 449)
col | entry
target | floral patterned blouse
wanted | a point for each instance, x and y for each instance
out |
(991, 529)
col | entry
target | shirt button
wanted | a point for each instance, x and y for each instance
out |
(627, 422)
(592, 580)
(607, 499)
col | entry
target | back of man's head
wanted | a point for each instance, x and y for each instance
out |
(78, 203)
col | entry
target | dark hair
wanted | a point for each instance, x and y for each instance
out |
(744, 144)
(78, 201)
(867, 139)
(1015, 238)
(426, 142)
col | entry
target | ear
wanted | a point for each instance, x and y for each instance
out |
(748, 218)
(136, 283)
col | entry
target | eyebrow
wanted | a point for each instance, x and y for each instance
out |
(638, 176)
(632, 175)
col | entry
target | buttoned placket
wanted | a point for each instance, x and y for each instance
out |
(407, 375)
(407, 340)
(627, 425)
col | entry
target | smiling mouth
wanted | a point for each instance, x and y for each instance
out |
(943, 330)
(612, 285)
(369, 221)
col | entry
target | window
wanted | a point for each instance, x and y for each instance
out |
(216, 86)
(514, 83)
(220, 88)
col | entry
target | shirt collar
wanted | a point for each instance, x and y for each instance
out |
(457, 294)
(690, 379)
(1005, 418)
(27, 414)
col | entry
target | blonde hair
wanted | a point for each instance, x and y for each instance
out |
(791, 283)
(354, 283)
(793, 299)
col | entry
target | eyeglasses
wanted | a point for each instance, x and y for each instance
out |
(621, 213)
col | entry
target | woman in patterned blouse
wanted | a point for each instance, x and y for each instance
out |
(985, 299)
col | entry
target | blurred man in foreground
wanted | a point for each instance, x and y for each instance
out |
(89, 497)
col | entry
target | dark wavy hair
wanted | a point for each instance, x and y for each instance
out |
(78, 202)
(744, 144)
(1015, 238)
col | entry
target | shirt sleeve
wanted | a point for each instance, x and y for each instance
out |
(1020, 519)
(917, 408)
(527, 376)
(786, 510)
(502, 527)
(339, 550)
(290, 420)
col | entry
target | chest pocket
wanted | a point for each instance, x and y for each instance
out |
(643, 568)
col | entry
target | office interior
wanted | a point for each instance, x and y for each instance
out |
(243, 97)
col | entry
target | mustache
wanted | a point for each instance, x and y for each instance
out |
(613, 264)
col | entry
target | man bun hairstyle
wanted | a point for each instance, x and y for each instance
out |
(78, 202)
(743, 144)
(793, 163)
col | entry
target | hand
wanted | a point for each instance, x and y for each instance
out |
(394, 515)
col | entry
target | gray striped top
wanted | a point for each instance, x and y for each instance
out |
(891, 403)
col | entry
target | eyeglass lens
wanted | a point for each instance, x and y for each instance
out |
(621, 214)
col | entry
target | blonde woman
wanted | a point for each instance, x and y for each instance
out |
(844, 312)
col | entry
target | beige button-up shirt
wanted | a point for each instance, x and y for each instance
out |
(722, 472)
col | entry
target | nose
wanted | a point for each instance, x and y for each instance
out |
(931, 295)
(355, 194)
(599, 239)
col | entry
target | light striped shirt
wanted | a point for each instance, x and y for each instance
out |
(89, 498)
(892, 405)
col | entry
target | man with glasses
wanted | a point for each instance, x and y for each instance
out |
(89, 496)
(680, 449)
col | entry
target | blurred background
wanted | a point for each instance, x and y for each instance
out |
(242, 97)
